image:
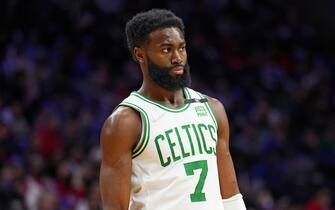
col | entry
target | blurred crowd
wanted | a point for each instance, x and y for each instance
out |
(64, 66)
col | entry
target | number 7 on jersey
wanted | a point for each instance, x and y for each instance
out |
(197, 195)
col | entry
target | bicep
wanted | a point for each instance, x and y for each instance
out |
(118, 136)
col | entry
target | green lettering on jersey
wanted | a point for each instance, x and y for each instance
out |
(181, 142)
(198, 195)
(203, 127)
(171, 145)
(186, 128)
(184, 154)
(168, 161)
(201, 111)
(197, 136)
(212, 131)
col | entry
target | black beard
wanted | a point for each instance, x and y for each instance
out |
(161, 76)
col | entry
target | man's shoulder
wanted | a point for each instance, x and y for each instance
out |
(212, 100)
(123, 111)
(123, 116)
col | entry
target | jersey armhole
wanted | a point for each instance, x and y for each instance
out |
(141, 145)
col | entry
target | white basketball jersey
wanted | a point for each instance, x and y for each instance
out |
(174, 164)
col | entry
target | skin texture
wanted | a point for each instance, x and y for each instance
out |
(227, 176)
(122, 130)
(119, 134)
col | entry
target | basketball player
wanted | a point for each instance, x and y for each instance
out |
(166, 146)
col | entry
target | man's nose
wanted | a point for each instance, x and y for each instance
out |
(176, 58)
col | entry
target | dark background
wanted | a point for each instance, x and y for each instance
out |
(64, 66)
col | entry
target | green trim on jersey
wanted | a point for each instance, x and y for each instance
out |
(180, 109)
(145, 129)
(210, 110)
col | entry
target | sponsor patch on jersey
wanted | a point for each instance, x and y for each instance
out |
(201, 111)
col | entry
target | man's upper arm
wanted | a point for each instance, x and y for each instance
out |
(227, 176)
(119, 135)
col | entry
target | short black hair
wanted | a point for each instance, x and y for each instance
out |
(142, 24)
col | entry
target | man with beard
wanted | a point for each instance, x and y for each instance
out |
(166, 146)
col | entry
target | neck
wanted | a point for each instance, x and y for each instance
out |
(169, 98)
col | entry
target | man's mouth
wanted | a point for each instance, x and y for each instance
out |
(178, 70)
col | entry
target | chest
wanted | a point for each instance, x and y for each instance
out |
(174, 137)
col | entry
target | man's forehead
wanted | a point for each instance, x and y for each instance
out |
(166, 35)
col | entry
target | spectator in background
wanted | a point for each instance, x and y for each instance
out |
(321, 200)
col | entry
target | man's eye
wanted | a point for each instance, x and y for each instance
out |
(181, 49)
(165, 50)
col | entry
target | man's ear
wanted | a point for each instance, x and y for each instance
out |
(139, 54)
